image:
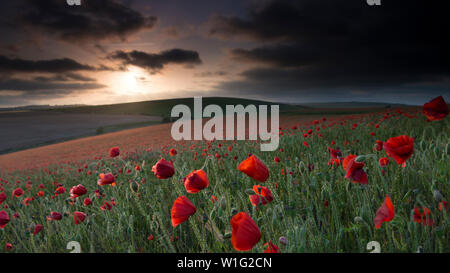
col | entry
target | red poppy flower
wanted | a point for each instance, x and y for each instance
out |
(37, 228)
(400, 148)
(263, 195)
(196, 181)
(2, 197)
(277, 159)
(354, 170)
(443, 205)
(114, 151)
(87, 201)
(254, 168)
(385, 213)
(106, 179)
(182, 209)
(77, 191)
(335, 153)
(78, 217)
(383, 161)
(4, 219)
(60, 190)
(336, 156)
(379, 146)
(305, 143)
(271, 248)
(8, 246)
(423, 216)
(172, 152)
(18, 192)
(245, 233)
(106, 206)
(436, 109)
(54, 216)
(27, 201)
(163, 169)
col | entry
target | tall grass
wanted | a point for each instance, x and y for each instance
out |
(297, 212)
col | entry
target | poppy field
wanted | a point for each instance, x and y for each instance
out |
(334, 184)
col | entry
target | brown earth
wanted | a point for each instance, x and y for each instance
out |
(27, 129)
(131, 140)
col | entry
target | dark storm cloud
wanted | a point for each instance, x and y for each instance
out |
(44, 87)
(93, 20)
(154, 62)
(320, 46)
(51, 66)
(208, 74)
(64, 78)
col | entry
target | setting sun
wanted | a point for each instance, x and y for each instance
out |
(127, 83)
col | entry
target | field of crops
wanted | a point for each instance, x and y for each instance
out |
(334, 185)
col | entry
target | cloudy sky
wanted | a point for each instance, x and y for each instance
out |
(107, 51)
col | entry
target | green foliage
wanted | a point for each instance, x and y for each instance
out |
(296, 213)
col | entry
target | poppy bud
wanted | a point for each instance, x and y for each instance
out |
(222, 202)
(282, 240)
(437, 195)
(134, 186)
(249, 191)
(358, 219)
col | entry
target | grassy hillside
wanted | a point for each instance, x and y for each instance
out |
(163, 107)
(352, 104)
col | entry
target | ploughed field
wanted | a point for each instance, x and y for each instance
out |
(26, 129)
(334, 184)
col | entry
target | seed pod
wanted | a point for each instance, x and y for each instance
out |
(437, 195)
(222, 202)
(134, 186)
(249, 191)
